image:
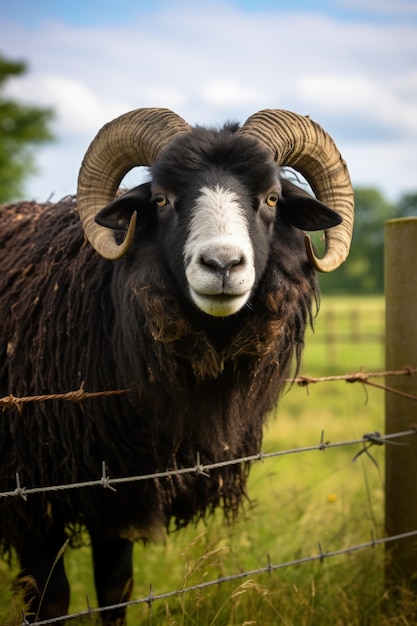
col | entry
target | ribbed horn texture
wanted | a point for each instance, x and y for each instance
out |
(298, 142)
(133, 139)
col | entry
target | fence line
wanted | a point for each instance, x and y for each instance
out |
(337, 327)
(79, 395)
(107, 482)
(267, 569)
(357, 325)
(368, 440)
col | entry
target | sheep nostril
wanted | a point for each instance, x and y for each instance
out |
(220, 266)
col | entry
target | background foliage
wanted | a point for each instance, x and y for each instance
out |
(22, 128)
(364, 271)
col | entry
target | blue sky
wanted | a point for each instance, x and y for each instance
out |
(93, 12)
(350, 64)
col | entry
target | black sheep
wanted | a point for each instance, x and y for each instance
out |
(202, 315)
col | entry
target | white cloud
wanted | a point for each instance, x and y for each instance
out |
(78, 108)
(227, 92)
(341, 93)
(389, 166)
(359, 95)
(162, 96)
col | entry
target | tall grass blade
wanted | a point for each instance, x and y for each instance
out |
(58, 556)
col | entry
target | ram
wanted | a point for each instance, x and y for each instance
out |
(195, 294)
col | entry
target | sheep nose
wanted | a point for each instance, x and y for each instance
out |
(220, 266)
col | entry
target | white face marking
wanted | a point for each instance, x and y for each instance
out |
(218, 253)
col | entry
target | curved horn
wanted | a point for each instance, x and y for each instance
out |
(133, 139)
(297, 141)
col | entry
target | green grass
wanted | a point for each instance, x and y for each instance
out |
(297, 502)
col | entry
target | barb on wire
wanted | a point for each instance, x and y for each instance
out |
(90, 609)
(105, 479)
(321, 554)
(150, 597)
(199, 468)
(323, 444)
(375, 439)
(20, 491)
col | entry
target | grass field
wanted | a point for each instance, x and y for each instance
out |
(301, 505)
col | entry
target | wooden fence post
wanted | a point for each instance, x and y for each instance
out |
(400, 412)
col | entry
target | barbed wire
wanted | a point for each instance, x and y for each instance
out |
(267, 569)
(108, 482)
(79, 395)
(105, 481)
(362, 377)
(368, 440)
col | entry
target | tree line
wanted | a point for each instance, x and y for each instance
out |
(363, 272)
(23, 128)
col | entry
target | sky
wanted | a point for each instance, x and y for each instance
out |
(349, 64)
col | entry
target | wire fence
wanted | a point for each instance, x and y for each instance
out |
(108, 482)
(267, 569)
(366, 442)
(79, 395)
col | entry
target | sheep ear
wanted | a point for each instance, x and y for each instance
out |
(118, 213)
(305, 212)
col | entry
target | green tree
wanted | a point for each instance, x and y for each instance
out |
(407, 206)
(363, 271)
(21, 128)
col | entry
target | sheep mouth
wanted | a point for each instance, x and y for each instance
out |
(219, 305)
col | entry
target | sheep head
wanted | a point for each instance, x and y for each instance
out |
(139, 137)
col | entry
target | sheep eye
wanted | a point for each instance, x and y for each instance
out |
(161, 200)
(272, 199)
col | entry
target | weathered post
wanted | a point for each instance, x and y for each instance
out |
(401, 412)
